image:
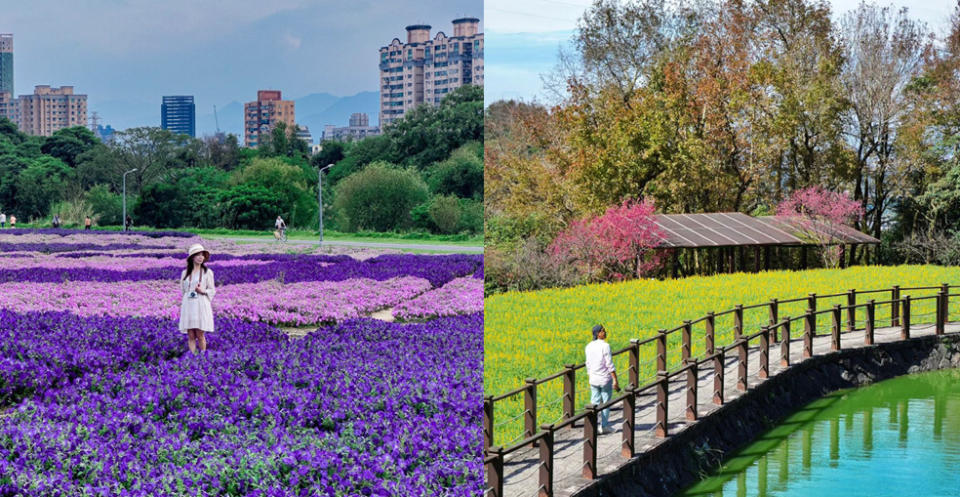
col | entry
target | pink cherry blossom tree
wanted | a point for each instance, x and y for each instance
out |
(615, 245)
(816, 212)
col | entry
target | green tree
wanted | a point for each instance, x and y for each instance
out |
(247, 206)
(106, 205)
(160, 205)
(293, 184)
(445, 213)
(461, 174)
(40, 185)
(429, 133)
(69, 143)
(379, 198)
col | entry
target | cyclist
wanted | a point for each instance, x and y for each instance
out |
(281, 226)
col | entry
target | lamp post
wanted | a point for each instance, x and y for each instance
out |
(124, 220)
(320, 196)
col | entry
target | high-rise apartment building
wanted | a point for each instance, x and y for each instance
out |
(6, 76)
(260, 116)
(6, 63)
(50, 109)
(179, 115)
(424, 70)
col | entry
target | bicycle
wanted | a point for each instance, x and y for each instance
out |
(280, 235)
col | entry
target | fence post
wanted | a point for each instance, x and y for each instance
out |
(590, 442)
(905, 329)
(738, 321)
(742, 365)
(835, 329)
(764, 352)
(785, 344)
(661, 350)
(628, 447)
(812, 305)
(495, 472)
(871, 316)
(487, 422)
(546, 462)
(711, 333)
(945, 288)
(635, 362)
(809, 322)
(686, 348)
(569, 390)
(530, 407)
(663, 381)
(718, 377)
(774, 315)
(941, 300)
(895, 307)
(851, 309)
(691, 413)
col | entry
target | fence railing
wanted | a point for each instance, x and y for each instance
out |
(843, 319)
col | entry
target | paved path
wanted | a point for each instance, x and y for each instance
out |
(521, 468)
(462, 249)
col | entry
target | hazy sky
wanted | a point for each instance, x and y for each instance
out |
(523, 38)
(135, 51)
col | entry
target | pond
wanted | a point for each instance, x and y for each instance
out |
(895, 438)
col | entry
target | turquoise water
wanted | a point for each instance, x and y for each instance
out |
(897, 438)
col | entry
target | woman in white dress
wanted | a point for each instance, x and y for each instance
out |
(196, 285)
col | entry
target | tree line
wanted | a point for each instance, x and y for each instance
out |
(424, 173)
(733, 105)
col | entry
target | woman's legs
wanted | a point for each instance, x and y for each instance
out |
(202, 340)
(192, 340)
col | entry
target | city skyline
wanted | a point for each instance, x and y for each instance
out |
(127, 55)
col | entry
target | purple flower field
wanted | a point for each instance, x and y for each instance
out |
(99, 396)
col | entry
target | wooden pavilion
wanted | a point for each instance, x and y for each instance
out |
(721, 242)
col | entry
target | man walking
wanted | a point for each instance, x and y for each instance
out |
(3, 220)
(603, 376)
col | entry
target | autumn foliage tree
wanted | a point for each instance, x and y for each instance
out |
(618, 244)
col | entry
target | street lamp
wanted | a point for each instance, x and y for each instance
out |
(124, 220)
(320, 196)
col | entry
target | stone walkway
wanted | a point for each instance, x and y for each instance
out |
(521, 468)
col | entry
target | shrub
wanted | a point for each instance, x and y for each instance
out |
(106, 206)
(379, 198)
(445, 213)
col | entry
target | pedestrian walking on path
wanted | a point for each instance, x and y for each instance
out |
(3, 220)
(197, 287)
(602, 374)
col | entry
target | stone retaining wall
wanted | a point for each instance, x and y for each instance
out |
(685, 457)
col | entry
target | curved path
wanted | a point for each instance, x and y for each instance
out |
(521, 468)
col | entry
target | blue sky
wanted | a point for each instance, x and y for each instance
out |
(524, 38)
(129, 53)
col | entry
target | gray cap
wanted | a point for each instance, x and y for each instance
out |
(596, 330)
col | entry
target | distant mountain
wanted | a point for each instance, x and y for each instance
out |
(314, 110)
(337, 112)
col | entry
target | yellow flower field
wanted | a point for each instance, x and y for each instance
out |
(533, 334)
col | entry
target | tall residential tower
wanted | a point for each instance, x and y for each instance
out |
(6, 76)
(50, 109)
(260, 116)
(424, 70)
(179, 115)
